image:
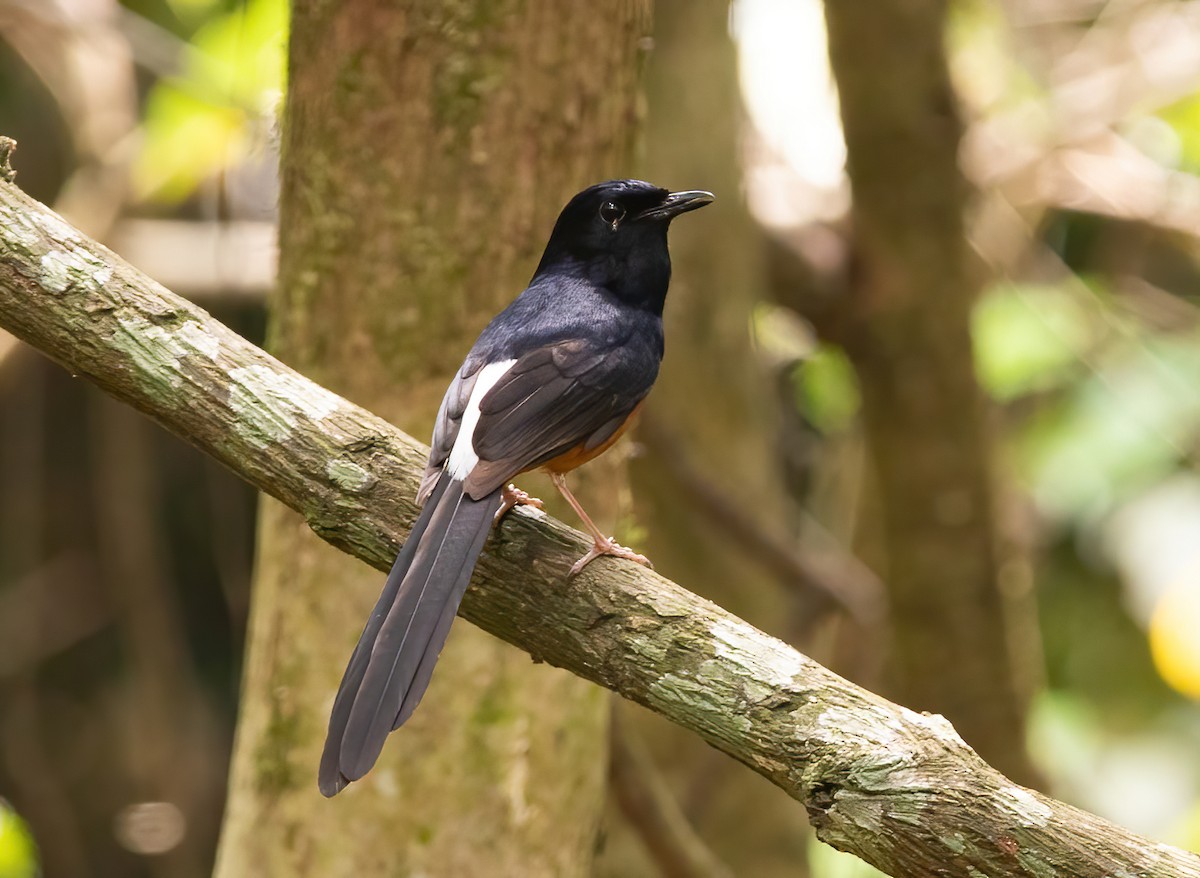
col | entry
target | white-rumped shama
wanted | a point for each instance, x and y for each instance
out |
(551, 382)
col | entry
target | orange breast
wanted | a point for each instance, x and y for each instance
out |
(578, 455)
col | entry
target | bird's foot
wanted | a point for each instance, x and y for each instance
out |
(513, 496)
(609, 546)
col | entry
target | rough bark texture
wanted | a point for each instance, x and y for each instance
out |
(427, 148)
(898, 788)
(906, 329)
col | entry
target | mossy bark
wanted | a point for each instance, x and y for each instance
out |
(427, 148)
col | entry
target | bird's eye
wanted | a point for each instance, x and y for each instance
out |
(612, 214)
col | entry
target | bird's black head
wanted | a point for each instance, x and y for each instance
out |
(615, 235)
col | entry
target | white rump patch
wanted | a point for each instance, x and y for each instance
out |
(463, 457)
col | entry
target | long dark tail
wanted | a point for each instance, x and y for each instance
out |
(391, 666)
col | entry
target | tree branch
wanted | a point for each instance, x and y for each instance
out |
(897, 788)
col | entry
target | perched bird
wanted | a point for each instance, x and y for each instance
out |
(551, 382)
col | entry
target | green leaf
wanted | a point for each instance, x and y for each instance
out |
(828, 389)
(1184, 119)
(204, 120)
(186, 141)
(1129, 423)
(1028, 338)
(18, 854)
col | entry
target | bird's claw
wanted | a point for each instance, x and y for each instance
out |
(608, 546)
(513, 496)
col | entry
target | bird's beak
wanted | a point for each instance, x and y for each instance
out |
(676, 203)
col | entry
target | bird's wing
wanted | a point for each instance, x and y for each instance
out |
(555, 398)
(446, 426)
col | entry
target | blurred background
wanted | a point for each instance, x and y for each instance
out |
(125, 555)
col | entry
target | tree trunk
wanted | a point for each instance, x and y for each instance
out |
(907, 333)
(427, 149)
(711, 406)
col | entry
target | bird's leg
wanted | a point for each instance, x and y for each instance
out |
(602, 545)
(513, 496)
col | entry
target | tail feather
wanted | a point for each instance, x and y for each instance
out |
(357, 666)
(437, 638)
(393, 662)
